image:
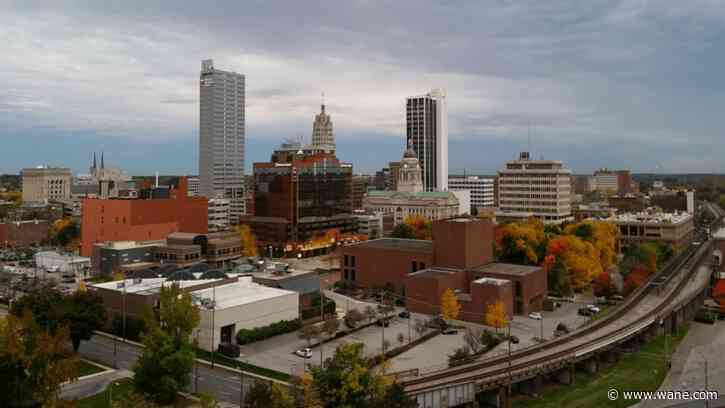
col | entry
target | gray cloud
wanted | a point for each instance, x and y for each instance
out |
(629, 74)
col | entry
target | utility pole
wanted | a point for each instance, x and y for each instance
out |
(213, 327)
(241, 387)
(382, 325)
(508, 391)
(542, 327)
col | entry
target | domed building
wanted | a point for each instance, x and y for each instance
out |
(409, 199)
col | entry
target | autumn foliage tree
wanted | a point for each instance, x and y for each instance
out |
(496, 315)
(521, 243)
(249, 241)
(64, 232)
(421, 227)
(33, 362)
(450, 306)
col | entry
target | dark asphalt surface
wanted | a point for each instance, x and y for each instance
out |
(223, 384)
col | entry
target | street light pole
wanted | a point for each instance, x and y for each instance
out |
(213, 326)
(508, 396)
(196, 362)
(542, 327)
(241, 387)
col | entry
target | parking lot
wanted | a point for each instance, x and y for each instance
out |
(277, 353)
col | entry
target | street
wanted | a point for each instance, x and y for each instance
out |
(224, 384)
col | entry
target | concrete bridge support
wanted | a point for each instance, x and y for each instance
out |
(591, 366)
(497, 398)
(532, 386)
(565, 375)
(610, 356)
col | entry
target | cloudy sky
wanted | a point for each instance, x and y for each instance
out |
(636, 83)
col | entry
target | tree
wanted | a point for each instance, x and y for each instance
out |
(306, 395)
(472, 338)
(496, 315)
(167, 359)
(347, 381)
(450, 307)
(330, 326)
(33, 362)
(459, 354)
(84, 313)
(207, 400)
(308, 333)
(249, 241)
(353, 317)
(403, 231)
(395, 397)
(263, 395)
(422, 228)
(370, 313)
(419, 327)
(64, 232)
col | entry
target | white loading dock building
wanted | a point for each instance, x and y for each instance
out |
(68, 265)
(226, 309)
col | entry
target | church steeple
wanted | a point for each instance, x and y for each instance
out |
(94, 161)
(102, 166)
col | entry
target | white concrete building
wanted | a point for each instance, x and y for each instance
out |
(538, 187)
(218, 210)
(241, 305)
(222, 136)
(481, 189)
(427, 133)
(51, 261)
(464, 201)
(370, 225)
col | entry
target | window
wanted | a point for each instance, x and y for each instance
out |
(517, 289)
(413, 266)
(346, 260)
(352, 261)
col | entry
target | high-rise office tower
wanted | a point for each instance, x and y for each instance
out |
(221, 137)
(322, 137)
(427, 131)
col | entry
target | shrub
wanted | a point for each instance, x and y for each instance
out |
(460, 355)
(353, 318)
(246, 336)
(490, 339)
(134, 327)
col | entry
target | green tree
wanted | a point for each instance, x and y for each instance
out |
(262, 395)
(168, 357)
(346, 380)
(84, 313)
(403, 231)
(395, 397)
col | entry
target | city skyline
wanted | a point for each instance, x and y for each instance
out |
(570, 74)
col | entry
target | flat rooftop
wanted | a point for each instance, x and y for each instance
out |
(152, 285)
(434, 273)
(492, 281)
(398, 244)
(719, 234)
(240, 293)
(650, 218)
(507, 269)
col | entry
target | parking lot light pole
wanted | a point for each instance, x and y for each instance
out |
(542, 327)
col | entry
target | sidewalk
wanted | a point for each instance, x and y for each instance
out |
(92, 384)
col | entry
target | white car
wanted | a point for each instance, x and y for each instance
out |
(304, 353)
(594, 308)
(535, 315)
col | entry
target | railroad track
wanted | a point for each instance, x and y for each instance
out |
(684, 262)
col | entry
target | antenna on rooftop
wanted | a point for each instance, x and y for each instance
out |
(529, 132)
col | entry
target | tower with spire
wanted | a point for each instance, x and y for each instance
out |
(322, 136)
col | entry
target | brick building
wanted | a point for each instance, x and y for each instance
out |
(460, 257)
(141, 219)
(23, 233)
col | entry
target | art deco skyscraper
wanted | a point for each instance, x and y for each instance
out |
(322, 137)
(221, 136)
(427, 134)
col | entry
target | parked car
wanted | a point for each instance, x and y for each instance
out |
(383, 322)
(584, 311)
(535, 315)
(450, 330)
(514, 339)
(616, 298)
(304, 353)
(230, 350)
(594, 309)
(404, 314)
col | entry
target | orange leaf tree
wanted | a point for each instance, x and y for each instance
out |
(249, 241)
(422, 228)
(521, 242)
(496, 315)
(450, 307)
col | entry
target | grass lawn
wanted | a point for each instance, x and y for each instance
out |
(85, 368)
(121, 392)
(641, 371)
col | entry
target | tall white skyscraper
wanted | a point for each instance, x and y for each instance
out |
(221, 136)
(322, 136)
(427, 132)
